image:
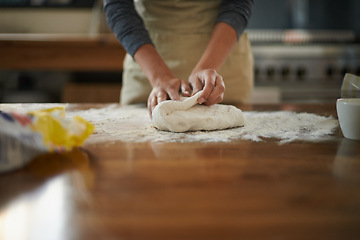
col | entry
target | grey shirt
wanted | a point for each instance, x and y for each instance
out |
(129, 28)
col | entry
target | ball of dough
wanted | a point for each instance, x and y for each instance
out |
(187, 115)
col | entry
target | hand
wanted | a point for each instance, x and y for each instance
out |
(211, 83)
(167, 89)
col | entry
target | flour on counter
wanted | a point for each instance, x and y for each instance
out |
(132, 124)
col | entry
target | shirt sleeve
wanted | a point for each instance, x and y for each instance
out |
(126, 24)
(236, 13)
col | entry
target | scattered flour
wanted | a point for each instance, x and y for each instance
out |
(132, 124)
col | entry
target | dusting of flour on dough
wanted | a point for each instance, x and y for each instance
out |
(132, 124)
(188, 115)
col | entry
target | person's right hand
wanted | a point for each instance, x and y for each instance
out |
(167, 89)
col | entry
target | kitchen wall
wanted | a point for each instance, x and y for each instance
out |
(47, 86)
(322, 14)
(44, 20)
(52, 16)
(274, 14)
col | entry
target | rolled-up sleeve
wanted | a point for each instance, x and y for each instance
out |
(126, 24)
(236, 13)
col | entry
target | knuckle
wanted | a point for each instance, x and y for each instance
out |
(220, 98)
(221, 88)
(161, 95)
(210, 82)
(221, 79)
(211, 71)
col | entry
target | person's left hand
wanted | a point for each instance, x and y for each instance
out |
(211, 83)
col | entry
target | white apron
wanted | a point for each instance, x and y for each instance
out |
(180, 30)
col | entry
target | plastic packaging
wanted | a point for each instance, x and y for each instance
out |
(24, 136)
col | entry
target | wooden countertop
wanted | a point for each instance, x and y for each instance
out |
(80, 52)
(235, 190)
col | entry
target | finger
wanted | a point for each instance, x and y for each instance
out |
(217, 93)
(173, 94)
(185, 89)
(220, 84)
(195, 84)
(210, 80)
(161, 97)
(214, 101)
(152, 102)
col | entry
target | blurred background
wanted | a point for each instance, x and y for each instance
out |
(302, 50)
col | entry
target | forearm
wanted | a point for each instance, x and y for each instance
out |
(222, 40)
(152, 64)
(230, 23)
(164, 84)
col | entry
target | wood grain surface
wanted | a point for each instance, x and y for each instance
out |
(236, 190)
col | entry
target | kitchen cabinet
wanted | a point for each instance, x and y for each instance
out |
(67, 53)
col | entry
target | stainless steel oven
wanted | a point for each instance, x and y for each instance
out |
(305, 66)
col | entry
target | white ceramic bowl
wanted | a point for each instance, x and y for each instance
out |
(348, 110)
